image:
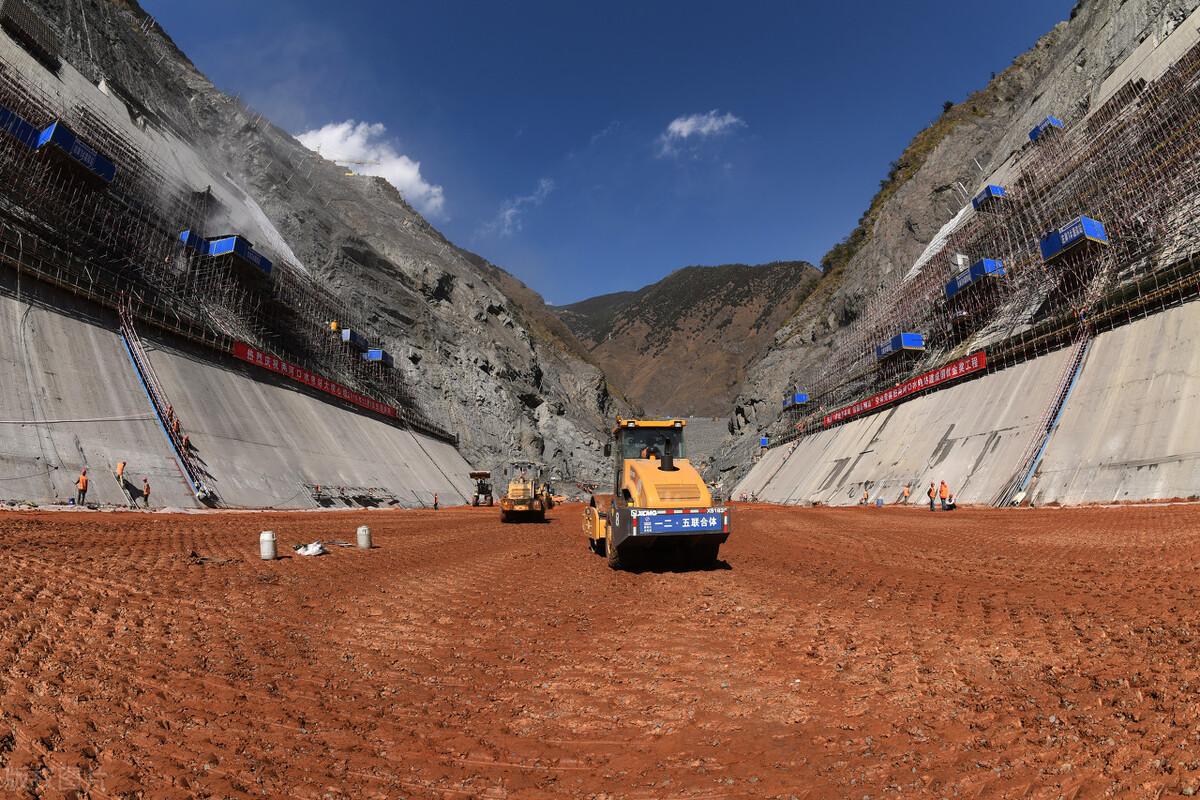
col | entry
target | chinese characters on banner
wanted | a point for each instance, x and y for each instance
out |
(309, 378)
(952, 371)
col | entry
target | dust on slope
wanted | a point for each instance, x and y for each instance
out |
(476, 359)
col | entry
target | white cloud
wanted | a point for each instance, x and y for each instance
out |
(696, 126)
(508, 219)
(363, 142)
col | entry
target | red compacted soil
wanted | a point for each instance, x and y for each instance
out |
(840, 653)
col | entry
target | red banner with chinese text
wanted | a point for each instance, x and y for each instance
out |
(309, 378)
(952, 371)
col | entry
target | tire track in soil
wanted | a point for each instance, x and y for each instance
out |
(845, 652)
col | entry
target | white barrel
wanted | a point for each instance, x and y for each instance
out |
(266, 545)
(364, 537)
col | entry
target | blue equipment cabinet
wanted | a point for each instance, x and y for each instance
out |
(990, 195)
(354, 339)
(986, 267)
(1078, 231)
(378, 356)
(18, 128)
(901, 342)
(60, 138)
(239, 247)
(1049, 123)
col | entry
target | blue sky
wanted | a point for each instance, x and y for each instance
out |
(594, 147)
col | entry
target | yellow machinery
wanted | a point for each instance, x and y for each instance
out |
(526, 495)
(483, 488)
(658, 500)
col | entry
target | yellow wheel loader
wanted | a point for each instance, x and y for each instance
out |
(658, 501)
(527, 495)
(483, 488)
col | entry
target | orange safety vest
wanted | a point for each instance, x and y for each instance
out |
(906, 491)
(930, 492)
(81, 484)
(120, 469)
(145, 489)
(944, 492)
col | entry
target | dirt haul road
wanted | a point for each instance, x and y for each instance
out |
(842, 653)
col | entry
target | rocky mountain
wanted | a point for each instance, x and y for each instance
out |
(483, 355)
(1060, 75)
(681, 346)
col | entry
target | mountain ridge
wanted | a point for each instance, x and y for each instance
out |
(696, 328)
(1059, 75)
(477, 351)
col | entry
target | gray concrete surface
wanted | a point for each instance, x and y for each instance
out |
(71, 399)
(1129, 430)
(763, 471)
(261, 438)
(972, 436)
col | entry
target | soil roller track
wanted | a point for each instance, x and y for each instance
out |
(836, 653)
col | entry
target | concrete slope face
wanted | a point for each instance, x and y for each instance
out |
(264, 440)
(763, 471)
(973, 436)
(71, 398)
(1129, 430)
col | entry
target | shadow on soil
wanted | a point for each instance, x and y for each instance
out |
(660, 566)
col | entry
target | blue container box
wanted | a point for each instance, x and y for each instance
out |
(18, 128)
(762, 441)
(238, 246)
(378, 356)
(800, 397)
(1075, 232)
(354, 339)
(1043, 126)
(990, 194)
(901, 341)
(980, 269)
(195, 241)
(60, 136)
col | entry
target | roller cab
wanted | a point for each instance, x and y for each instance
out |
(527, 494)
(659, 501)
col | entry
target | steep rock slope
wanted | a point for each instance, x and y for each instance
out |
(1060, 75)
(680, 346)
(482, 355)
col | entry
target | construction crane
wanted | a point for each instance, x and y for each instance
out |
(341, 162)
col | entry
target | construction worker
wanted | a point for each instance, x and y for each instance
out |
(175, 427)
(187, 444)
(932, 494)
(866, 498)
(905, 492)
(121, 472)
(944, 494)
(146, 491)
(435, 500)
(81, 487)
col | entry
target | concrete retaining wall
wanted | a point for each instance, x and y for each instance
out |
(768, 465)
(1130, 430)
(71, 398)
(972, 436)
(261, 437)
